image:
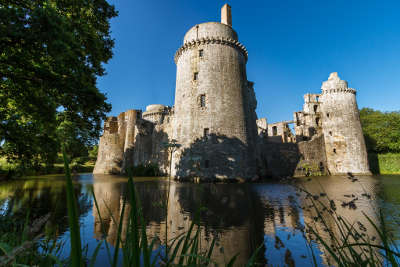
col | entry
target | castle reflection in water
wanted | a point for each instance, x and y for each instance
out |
(242, 216)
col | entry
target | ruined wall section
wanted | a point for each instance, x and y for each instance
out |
(111, 148)
(262, 127)
(344, 140)
(308, 122)
(128, 134)
(129, 140)
(280, 132)
(305, 158)
(157, 113)
(213, 98)
(312, 160)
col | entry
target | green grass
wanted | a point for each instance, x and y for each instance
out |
(11, 170)
(384, 163)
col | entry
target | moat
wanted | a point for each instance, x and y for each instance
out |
(241, 216)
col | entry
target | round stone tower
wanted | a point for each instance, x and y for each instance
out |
(154, 113)
(214, 104)
(344, 140)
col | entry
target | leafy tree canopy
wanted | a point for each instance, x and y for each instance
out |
(381, 130)
(51, 53)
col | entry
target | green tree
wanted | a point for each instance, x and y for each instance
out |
(51, 53)
(93, 152)
(381, 130)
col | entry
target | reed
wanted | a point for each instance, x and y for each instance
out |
(183, 250)
(349, 243)
(73, 219)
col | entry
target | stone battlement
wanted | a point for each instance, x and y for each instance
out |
(339, 90)
(211, 40)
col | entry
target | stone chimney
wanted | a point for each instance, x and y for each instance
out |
(226, 16)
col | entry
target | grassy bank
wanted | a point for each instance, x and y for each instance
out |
(384, 163)
(10, 170)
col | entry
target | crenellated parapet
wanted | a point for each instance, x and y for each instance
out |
(339, 90)
(211, 40)
(335, 85)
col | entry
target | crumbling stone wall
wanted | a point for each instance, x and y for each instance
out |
(308, 122)
(312, 160)
(110, 154)
(130, 140)
(289, 159)
(329, 138)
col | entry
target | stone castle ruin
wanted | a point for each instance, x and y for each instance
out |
(214, 127)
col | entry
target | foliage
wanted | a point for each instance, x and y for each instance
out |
(51, 53)
(20, 243)
(93, 152)
(381, 130)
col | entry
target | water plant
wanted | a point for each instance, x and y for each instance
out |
(137, 249)
(346, 243)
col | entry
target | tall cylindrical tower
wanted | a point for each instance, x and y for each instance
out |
(344, 140)
(212, 104)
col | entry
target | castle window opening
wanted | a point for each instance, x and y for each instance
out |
(334, 150)
(327, 114)
(206, 163)
(274, 130)
(330, 133)
(195, 76)
(315, 108)
(206, 132)
(317, 121)
(201, 53)
(317, 98)
(202, 100)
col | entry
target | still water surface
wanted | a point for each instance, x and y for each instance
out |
(240, 216)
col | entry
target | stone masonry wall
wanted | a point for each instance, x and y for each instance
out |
(293, 159)
(344, 140)
(312, 160)
(213, 98)
(130, 141)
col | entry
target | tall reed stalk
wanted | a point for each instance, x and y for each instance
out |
(349, 243)
(73, 219)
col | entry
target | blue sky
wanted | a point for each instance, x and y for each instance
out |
(293, 46)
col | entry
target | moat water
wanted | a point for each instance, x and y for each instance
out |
(240, 216)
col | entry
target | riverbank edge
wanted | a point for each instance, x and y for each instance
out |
(57, 169)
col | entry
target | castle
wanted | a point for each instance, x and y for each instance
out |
(213, 132)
